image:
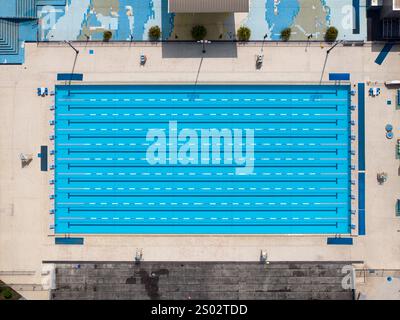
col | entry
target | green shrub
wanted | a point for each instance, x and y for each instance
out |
(7, 294)
(199, 32)
(331, 34)
(107, 35)
(285, 34)
(154, 33)
(244, 34)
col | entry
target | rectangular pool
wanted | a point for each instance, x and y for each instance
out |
(205, 159)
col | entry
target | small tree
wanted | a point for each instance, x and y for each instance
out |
(244, 33)
(285, 34)
(7, 294)
(199, 32)
(331, 34)
(154, 33)
(107, 35)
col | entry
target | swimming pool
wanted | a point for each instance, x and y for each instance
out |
(206, 159)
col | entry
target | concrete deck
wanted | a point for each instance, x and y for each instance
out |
(25, 238)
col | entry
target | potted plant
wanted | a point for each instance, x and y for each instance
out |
(331, 34)
(199, 32)
(107, 35)
(285, 34)
(244, 33)
(154, 33)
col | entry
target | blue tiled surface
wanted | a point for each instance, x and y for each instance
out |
(8, 8)
(69, 241)
(18, 9)
(340, 241)
(51, 2)
(10, 46)
(357, 18)
(361, 204)
(384, 53)
(361, 126)
(339, 76)
(281, 16)
(133, 18)
(17, 25)
(70, 76)
(43, 158)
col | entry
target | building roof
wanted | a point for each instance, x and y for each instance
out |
(207, 6)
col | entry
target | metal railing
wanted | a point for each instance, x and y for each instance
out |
(152, 44)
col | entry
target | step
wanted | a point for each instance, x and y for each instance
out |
(18, 58)
(51, 2)
(26, 9)
(8, 37)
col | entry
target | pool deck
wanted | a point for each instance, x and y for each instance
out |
(25, 238)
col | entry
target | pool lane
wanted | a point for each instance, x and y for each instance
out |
(299, 184)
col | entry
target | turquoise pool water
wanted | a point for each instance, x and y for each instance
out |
(135, 159)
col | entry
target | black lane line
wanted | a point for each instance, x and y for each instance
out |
(70, 209)
(197, 180)
(294, 136)
(209, 151)
(311, 93)
(114, 195)
(200, 166)
(211, 224)
(196, 107)
(200, 121)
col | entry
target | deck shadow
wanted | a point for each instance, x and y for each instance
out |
(194, 50)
